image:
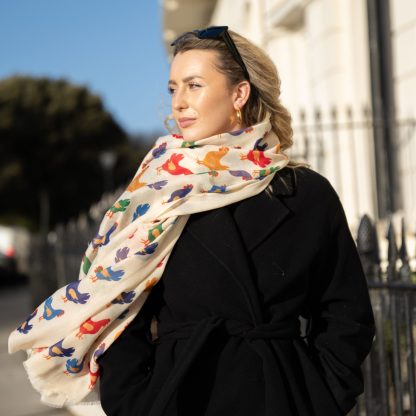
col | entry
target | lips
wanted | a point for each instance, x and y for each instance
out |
(186, 121)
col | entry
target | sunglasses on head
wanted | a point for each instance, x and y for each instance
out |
(219, 32)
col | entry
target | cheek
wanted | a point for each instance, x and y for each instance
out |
(214, 106)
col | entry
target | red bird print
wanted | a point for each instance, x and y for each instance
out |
(172, 166)
(91, 327)
(257, 157)
(93, 376)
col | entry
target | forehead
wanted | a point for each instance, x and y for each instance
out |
(195, 61)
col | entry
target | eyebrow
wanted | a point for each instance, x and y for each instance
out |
(186, 79)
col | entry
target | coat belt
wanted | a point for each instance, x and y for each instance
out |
(197, 333)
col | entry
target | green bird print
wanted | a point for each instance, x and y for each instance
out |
(152, 234)
(119, 206)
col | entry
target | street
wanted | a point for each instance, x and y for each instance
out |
(17, 396)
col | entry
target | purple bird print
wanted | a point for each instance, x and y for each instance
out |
(241, 131)
(49, 312)
(99, 351)
(57, 350)
(102, 240)
(242, 173)
(74, 295)
(121, 254)
(159, 151)
(157, 186)
(179, 193)
(25, 327)
(237, 132)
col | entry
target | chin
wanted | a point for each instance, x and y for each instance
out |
(190, 136)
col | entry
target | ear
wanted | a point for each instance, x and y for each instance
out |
(241, 94)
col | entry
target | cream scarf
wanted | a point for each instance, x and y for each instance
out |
(66, 334)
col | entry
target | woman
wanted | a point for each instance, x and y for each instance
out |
(257, 261)
(247, 241)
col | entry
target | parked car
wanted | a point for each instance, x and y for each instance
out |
(10, 240)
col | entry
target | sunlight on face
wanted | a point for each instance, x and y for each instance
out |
(201, 95)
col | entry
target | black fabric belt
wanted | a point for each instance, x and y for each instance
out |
(197, 333)
(179, 330)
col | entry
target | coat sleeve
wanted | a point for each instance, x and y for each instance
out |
(342, 320)
(125, 368)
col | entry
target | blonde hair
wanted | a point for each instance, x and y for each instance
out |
(264, 79)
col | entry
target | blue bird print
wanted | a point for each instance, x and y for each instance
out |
(217, 189)
(58, 350)
(258, 146)
(123, 314)
(107, 274)
(73, 367)
(140, 210)
(149, 249)
(74, 295)
(124, 297)
(102, 240)
(49, 312)
(25, 327)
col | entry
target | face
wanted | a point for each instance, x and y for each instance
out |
(202, 102)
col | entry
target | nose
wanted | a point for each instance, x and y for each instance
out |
(179, 100)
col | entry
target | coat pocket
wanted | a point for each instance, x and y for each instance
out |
(318, 388)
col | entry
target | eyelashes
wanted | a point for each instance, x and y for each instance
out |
(192, 85)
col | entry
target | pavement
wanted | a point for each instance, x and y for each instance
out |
(17, 396)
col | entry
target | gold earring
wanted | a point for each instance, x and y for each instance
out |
(239, 117)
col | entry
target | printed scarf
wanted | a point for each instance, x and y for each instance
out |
(65, 334)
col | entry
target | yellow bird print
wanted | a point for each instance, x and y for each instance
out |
(212, 160)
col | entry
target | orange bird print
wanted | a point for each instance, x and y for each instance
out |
(135, 183)
(90, 327)
(212, 160)
(172, 166)
(150, 283)
(257, 157)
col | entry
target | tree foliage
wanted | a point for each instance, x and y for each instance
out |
(51, 137)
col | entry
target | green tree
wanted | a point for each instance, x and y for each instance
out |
(51, 136)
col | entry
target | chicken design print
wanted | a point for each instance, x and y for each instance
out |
(173, 167)
(122, 259)
(212, 161)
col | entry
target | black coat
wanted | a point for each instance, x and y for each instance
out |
(228, 308)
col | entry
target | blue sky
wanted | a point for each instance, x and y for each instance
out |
(115, 48)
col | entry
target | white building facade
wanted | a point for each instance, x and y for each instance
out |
(348, 71)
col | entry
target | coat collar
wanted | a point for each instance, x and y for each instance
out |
(229, 233)
(257, 217)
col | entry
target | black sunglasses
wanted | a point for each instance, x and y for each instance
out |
(219, 32)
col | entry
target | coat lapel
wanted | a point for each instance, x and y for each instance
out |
(259, 216)
(230, 232)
